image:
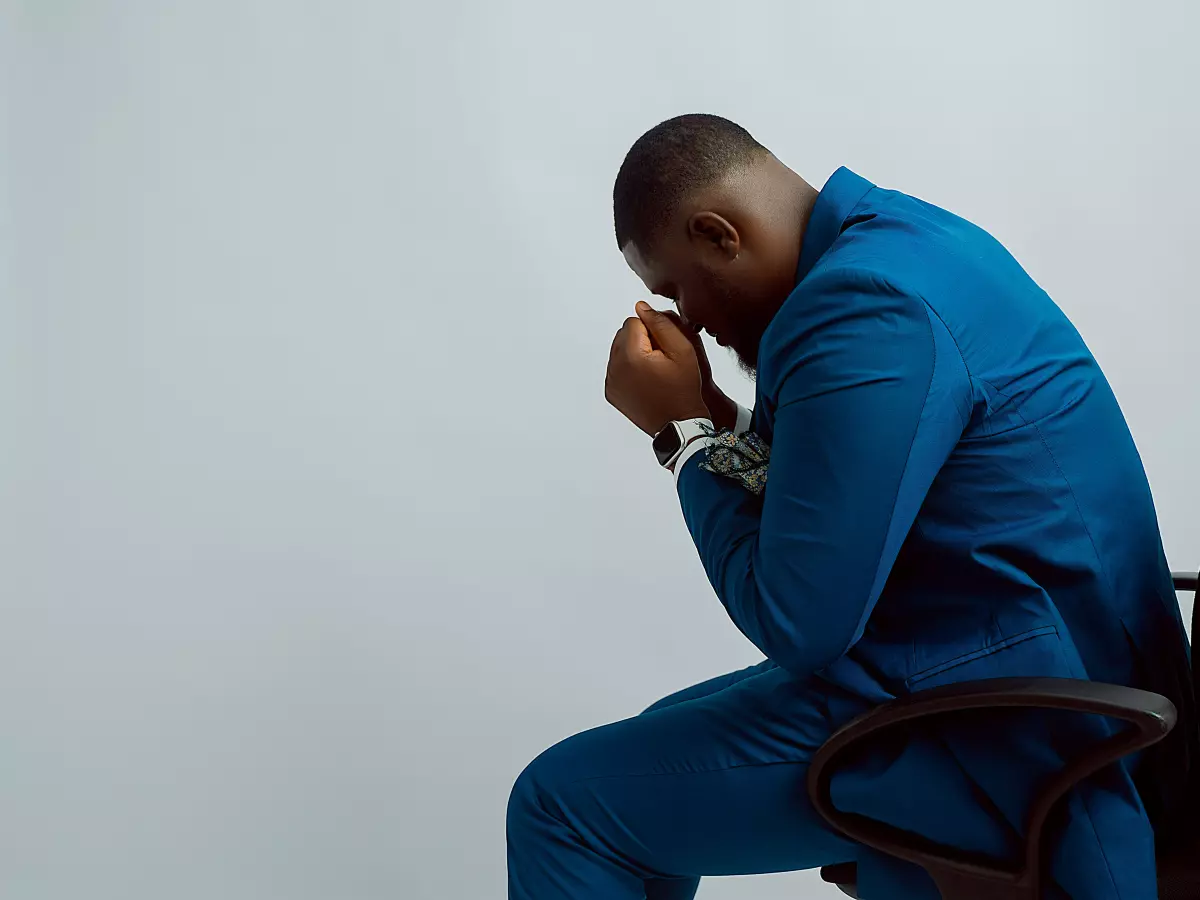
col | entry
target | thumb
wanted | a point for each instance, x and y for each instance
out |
(667, 335)
(692, 334)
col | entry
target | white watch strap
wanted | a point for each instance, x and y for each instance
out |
(693, 434)
(688, 452)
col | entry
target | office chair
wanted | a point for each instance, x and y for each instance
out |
(964, 876)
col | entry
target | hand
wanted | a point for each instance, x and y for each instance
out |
(723, 409)
(653, 372)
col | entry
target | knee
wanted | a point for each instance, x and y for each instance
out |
(667, 701)
(523, 799)
(538, 790)
(657, 705)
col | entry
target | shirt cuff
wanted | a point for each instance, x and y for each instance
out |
(688, 452)
(743, 419)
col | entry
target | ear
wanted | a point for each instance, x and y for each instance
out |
(715, 233)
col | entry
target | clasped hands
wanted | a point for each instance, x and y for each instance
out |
(658, 372)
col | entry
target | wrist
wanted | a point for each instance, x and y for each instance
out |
(722, 409)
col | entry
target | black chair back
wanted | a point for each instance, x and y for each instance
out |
(964, 876)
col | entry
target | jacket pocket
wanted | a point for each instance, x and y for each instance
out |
(1033, 653)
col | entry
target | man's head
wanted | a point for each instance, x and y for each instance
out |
(709, 218)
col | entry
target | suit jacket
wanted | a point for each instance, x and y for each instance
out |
(953, 494)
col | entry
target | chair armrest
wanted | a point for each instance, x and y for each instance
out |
(1151, 716)
(1185, 581)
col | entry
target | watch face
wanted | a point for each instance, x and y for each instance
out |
(666, 443)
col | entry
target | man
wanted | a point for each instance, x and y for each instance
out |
(935, 485)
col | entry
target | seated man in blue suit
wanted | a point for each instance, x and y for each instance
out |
(935, 485)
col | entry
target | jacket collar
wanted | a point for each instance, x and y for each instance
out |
(842, 192)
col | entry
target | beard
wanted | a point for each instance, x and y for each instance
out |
(747, 368)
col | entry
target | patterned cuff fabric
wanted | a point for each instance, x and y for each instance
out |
(742, 457)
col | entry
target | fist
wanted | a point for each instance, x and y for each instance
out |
(653, 372)
(722, 410)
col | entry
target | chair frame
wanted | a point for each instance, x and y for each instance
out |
(970, 876)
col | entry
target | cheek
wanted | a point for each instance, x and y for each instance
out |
(715, 303)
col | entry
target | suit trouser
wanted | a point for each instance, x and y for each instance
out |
(709, 781)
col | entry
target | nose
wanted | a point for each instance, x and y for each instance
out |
(688, 323)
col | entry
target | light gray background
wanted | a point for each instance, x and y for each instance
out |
(316, 526)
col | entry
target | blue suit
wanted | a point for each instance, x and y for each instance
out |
(953, 494)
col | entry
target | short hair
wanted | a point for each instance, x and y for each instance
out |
(671, 161)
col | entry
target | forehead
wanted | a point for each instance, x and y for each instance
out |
(640, 264)
(662, 265)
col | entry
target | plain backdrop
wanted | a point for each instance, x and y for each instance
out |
(315, 524)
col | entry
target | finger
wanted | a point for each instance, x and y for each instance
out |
(678, 320)
(669, 336)
(616, 344)
(692, 334)
(635, 337)
(624, 336)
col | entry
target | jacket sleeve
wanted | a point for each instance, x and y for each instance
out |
(871, 395)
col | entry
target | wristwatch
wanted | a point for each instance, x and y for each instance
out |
(669, 443)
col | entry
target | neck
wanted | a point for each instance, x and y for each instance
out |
(791, 204)
(797, 199)
(806, 199)
(788, 200)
